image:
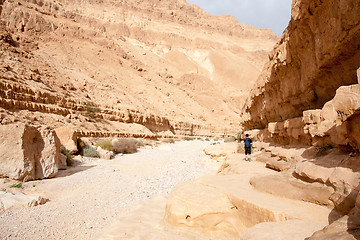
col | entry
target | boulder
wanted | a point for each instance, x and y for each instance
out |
(48, 164)
(104, 154)
(10, 200)
(278, 164)
(62, 162)
(68, 138)
(28, 153)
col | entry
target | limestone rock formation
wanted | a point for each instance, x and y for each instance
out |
(71, 63)
(68, 138)
(317, 54)
(28, 153)
(227, 206)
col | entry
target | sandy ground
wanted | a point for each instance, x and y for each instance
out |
(85, 200)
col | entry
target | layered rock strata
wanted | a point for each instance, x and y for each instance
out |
(168, 65)
(335, 125)
(318, 53)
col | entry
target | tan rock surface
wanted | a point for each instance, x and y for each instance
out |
(220, 152)
(49, 162)
(281, 230)
(317, 54)
(12, 200)
(68, 138)
(287, 186)
(345, 228)
(28, 153)
(241, 205)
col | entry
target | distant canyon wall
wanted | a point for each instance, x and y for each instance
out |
(166, 65)
(309, 92)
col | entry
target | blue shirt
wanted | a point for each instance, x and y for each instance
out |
(247, 142)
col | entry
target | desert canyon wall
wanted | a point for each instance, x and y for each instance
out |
(114, 68)
(308, 92)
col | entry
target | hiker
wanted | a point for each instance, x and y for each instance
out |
(247, 145)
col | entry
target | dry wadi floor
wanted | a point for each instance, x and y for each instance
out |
(125, 198)
(86, 199)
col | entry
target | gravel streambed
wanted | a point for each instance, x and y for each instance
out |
(83, 200)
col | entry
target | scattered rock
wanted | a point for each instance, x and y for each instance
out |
(104, 154)
(10, 200)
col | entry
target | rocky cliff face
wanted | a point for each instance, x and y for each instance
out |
(127, 66)
(308, 93)
(318, 53)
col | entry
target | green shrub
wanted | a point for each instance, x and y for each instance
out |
(69, 160)
(207, 139)
(105, 144)
(126, 145)
(91, 107)
(189, 138)
(16, 185)
(90, 151)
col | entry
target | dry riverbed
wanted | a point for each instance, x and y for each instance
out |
(86, 199)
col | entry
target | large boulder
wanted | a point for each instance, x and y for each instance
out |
(49, 162)
(68, 138)
(28, 153)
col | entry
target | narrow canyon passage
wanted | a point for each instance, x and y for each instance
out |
(86, 199)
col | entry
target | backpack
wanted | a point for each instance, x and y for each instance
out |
(247, 142)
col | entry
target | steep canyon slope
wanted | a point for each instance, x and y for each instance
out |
(139, 67)
(308, 92)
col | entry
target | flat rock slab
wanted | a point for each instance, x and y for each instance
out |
(291, 229)
(224, 206)
(146, 222)
(285, 185)
(278, 164)
(10, 200)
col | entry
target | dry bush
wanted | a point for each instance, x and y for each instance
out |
(125, 145)
(90, 151)
(105, 144)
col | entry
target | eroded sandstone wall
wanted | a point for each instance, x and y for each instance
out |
(334, 125)
(318, 52)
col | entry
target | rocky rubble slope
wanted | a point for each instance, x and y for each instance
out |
(126, 66)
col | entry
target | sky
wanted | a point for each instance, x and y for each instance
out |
(270, 14)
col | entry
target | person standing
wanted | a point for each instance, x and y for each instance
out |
(247, 146)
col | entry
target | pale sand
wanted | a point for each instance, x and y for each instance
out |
(85, 200)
